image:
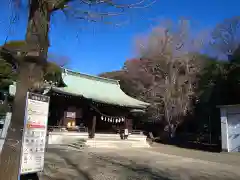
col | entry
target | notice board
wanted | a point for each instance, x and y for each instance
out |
(34, 133)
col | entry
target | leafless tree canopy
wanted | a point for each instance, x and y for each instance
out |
(170, 65)
(226, 36)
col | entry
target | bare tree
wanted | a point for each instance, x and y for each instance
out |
(32, 58)
(226, 36)
(171, 54)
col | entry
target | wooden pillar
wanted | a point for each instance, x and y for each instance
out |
(126, 124)
(130, 125)
(94, 120)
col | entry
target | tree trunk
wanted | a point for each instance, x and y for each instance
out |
(10, 156)
(37, 31)
(30, 71)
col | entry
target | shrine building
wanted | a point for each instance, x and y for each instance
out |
(90, 107)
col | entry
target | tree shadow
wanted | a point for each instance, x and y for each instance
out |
(46, 177)
(122, 167)
(32, 176)
(135, 167)
(81, 174)
(84, 175)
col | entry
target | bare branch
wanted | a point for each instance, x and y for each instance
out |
(54, 5)
(170, 55)
(62, 4)
(225, 36)
(79, 10)
(137, 5)
(94, 18)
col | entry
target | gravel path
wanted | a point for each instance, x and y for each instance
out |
(64, 163)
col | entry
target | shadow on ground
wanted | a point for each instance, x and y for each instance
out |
(134, 167)
(33, 176)
(91, 166)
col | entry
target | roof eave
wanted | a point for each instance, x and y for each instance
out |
(139, 106)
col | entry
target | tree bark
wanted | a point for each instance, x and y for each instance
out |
(37, 31)
(30, 71)
(10, 155)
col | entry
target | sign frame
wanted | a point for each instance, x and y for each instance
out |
(38, 98)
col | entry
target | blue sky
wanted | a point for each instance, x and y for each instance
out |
(96, 48)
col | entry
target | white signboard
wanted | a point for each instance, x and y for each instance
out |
(71, 115)
(34, 134)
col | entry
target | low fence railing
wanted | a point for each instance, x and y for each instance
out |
(65, 128)
(84, 129)
(137, 132)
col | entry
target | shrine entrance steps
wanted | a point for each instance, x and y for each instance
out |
(79, 140)
(117, 143)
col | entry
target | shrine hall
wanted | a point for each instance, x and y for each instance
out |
(90, 107)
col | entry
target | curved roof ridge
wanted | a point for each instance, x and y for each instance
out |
(98, 78)
(97, 89)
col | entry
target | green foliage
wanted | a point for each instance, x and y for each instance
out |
(8, 64)
(53, 72)
(15, 44)
(220, 82)
(7, 74)
(211, 76)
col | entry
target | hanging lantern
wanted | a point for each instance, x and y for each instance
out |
(123, 119)
(101, 117)
(116, 120)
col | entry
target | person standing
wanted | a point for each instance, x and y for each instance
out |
(125, 133)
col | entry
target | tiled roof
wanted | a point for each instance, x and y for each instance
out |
(98, 89)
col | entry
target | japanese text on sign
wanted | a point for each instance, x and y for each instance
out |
(34, 134)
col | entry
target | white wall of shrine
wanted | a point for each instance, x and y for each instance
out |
(103, 140)
(230, 128)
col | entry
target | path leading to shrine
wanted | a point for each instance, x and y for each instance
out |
(65, 163)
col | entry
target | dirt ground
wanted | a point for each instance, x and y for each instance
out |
(65, 163)
(225, 158)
